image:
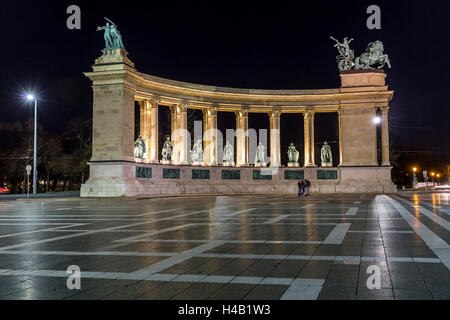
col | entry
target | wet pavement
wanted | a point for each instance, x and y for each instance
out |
(242, 247)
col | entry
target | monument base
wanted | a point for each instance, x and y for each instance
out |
(293, 165)
(128, 179)
(167, 162)
(326, 165)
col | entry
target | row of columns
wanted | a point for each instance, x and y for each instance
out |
(149, 132)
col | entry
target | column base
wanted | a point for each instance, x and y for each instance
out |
(228, 164)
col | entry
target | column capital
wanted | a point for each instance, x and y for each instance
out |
(212, 111)
(308, 114)
(182, 107)
(155, 100)
(244, 111)
(385, 109)
(275, 113)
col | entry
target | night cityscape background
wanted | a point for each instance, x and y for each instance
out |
(231, 45)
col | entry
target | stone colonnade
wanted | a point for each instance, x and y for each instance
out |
(114, 171)
(149, 132)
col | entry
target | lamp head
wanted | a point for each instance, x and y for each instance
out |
(30, 97)
(377, 120)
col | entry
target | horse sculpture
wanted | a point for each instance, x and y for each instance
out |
(374, 55)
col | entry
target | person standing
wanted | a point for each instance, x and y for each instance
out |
(301, 188)
(307, 185)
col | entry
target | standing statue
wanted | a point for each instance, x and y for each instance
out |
(325, 155)
(197, 153)
(167, 151)
(113, 38)
(259, 157)
(374, 55)
(293, 156)
(139, 148)
(346, 55)
(228, 155)
(107, 36)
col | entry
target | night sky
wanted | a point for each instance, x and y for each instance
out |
(267, 46)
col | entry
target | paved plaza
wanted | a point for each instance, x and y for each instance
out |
(228, 247)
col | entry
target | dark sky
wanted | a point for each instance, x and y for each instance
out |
(276, 45)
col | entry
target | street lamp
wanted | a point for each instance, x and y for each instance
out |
(30, 97)
(414, 177)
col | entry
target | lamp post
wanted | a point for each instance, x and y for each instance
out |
(414, 177)
(30, 97)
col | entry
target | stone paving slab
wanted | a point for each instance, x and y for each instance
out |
(234, 248)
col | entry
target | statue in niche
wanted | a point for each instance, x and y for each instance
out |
(139, 148)
(112, 36)
(293, 156)
(259, 157)
(167, 150)
(325, 155)
(228, 155)
(197, 153)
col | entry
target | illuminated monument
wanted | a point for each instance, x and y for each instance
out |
(115, 171)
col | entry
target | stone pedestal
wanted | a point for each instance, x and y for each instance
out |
(111, 179)
(112, 162)
(293, 165)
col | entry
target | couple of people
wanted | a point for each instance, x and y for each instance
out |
(303, 187)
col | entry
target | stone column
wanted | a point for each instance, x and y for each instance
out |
(385, 136)
(275, 155)
(309, 138)
(340, 136)
(183, 134)
(173, 130)
(152, 146)
(212, 126)
(242, 137)
(205, 136)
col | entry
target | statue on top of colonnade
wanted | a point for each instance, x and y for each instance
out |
(112, 36)
(374, 55)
